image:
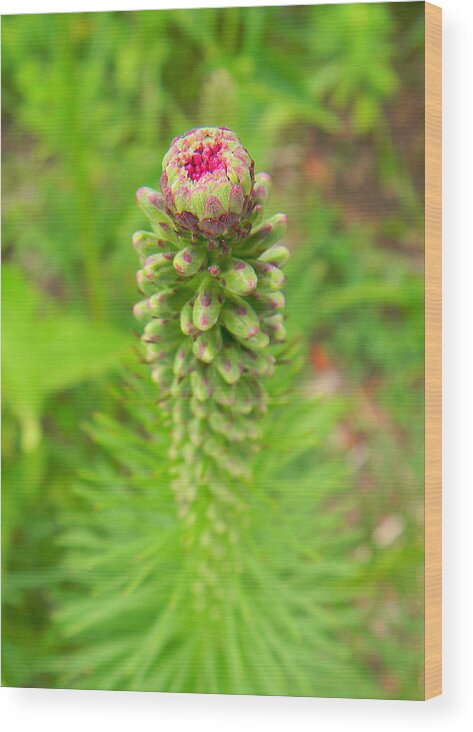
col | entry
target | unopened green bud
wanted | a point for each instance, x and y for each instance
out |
(156, 352)
(257, 342)
(258, 363)
(262, 188)
(142, 311)
(186, 320)
(158, 269)
(157, 262)
(207, 306)
(183, 361)
(190, 260)
(223, 393)
(260, 397)
(225, 425)
(143, 283)
(263, 236)
(166, 277)
(256, 215)
(245, 401)
(277, 255)
(164, 303)
(239, 276)
(151, 203)
(270, 278)
(180, 389)
(208, 344)
(161, 374)
(228, 364)
(269, 301)
(198, 408)
(145, 243)
(239, 318)
(274, 327)
(200, 385)
(161, 330)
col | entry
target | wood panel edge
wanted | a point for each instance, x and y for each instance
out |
(433, 353)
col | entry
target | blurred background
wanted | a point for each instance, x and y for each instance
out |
(330, 101)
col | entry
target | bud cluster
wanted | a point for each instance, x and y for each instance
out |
(211, 278)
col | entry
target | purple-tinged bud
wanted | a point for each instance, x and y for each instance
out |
(162, 331)
(146, 244)
(239, 277)
(155, 262)
(262, 188)
(257, 342)
(256, 215)
(223, 393)
(239, 318)
(207, 181)
(207, 345)
(269, 301)
(189, 261)
(274, 327)
(143, 283)
(263, 236)
(142, 311)
(225, 425)
(158, 270)
(277, 255)
(151, 201)
(270, 278)
(152, 204)
(183, 361)
(245, 400)
(155, 352)
(207, 306)
(180, 389)
(186, 321)
(228, 364)
(161, 374)
(164, 303)
(258, 364)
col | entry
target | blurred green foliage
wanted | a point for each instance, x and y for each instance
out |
(329, 100)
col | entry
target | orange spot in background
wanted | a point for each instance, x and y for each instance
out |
(317, 171)
(319, 357)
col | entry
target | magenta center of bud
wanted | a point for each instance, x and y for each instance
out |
(204, 159)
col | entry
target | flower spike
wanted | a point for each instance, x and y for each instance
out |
(212, 310)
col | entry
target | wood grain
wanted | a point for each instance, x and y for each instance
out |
(433, 352)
